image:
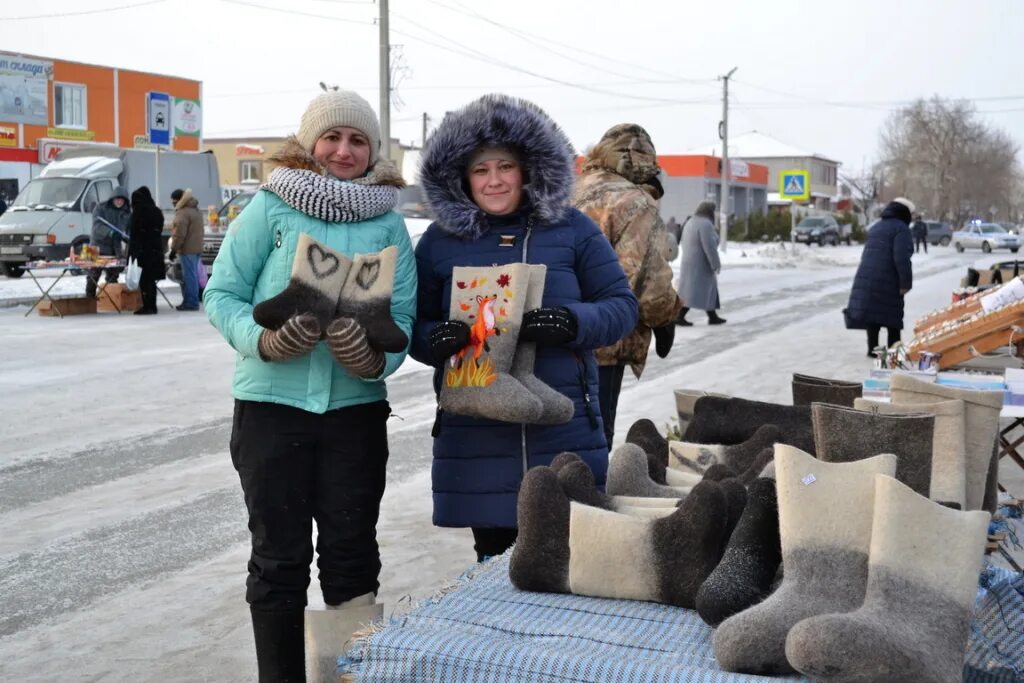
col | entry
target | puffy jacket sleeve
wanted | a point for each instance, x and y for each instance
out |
(429, 307)
(902, 249)
(403, 295)
(608, 310)
(229, 293)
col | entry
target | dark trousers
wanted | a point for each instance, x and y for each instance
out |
(489, 542)
(147, 288)
(893, 334)
(920, 242)
(296, 467)
(609, 385)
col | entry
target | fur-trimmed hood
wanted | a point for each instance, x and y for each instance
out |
(496, 120)
(293, 155)
(186, 200)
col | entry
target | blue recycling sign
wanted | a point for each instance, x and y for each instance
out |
(795, 185)
(158, 113)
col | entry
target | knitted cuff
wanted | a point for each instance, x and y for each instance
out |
(296, 337)
(347, 341)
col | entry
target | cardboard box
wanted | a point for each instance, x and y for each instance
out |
(126, 299)
(76, 306)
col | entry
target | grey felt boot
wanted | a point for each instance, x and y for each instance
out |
(478, 380)
(578, 483)
(915, 619)
(628, 475)
(734, 420)
(318, 275)
(557, 408)
(645, 434)
(738, 457)
(845, 435)
(366, 297)
(808, 390)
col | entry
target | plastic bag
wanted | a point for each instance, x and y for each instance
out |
(132, 274)
(202, 274)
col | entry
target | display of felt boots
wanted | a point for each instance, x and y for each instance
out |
(478, 381)
(328, 631)
(366, 297)
(568, 547)
(751, 559)
(697, 457)
(578, 483)
(826, 512)
(915, 618)
(948, 485)
(628, 475)
(734, 420)
(845, 435)
(318, 274)
(981, 429)
(685, 400)
(808, 390)
(645, 434)
(557, 408)
(757, 467)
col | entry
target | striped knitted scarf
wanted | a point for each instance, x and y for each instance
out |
(337, 201)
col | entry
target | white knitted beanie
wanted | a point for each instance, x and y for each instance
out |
(339, 108)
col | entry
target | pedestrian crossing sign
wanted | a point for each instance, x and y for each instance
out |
(795, 185)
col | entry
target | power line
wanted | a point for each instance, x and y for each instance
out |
(84, 12)
(293, 12)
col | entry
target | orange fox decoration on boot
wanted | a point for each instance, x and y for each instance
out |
(480, 330)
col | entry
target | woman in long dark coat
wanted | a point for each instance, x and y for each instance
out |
(884, 276)
(145, 246)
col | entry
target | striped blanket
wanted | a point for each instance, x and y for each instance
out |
(487, 630)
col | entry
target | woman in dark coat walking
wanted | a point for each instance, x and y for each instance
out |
(498, 175)
(145, 245)
(883, 277)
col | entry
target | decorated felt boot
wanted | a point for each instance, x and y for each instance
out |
(825, 516)
(477, 380)
(366, 297)
(557, 407)
(845, 435)
(915, 619)
(318, 274)
(734, 420)
(948, 485)
(981, 429)
(808, 390)
(739, 458)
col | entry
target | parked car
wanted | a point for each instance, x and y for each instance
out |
(821, 229)
(939, 233)
(987, 236)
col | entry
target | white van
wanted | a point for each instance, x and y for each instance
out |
(53, 212)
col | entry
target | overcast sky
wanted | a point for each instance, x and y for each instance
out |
(820, 75)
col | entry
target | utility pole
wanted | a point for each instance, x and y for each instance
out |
(426, 125)
(385, 81)
(723, 210)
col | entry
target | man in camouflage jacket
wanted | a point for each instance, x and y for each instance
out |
(619, 189)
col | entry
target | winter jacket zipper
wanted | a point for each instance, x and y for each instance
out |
(526, 244)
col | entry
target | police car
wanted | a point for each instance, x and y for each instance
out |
(986, 236)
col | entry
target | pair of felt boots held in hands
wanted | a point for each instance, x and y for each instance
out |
(346, 302)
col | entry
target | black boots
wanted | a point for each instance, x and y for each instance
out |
(681, 319)
(280, 645)
(713, 318)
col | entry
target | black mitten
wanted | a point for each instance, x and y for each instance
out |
(664, 337)
(448, 338)
(551, 325)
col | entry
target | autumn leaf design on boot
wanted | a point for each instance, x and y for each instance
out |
(318, 273)
(366, 297)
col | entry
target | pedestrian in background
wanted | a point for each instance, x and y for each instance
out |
(187, 242)
(619, 189)
(109, 233)
(920, 232)
(698, 274)
(883, 277)
(145, 235)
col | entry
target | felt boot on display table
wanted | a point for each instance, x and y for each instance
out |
(329, 630)
(734, 420)
(845, 434)
(948, 455)
(744, 576)
(808, 390)
(916, 616)
(685, 400)
(477, 381)
(825, 516)
(981, 429)
(628, 475)
(645, 434)
(697, 457)
(557, 407)
(578, 483)
(318, 274)
(566, 547)
(366, 297)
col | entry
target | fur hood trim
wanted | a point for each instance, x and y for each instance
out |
(186, 201)
(503, 121)
(294, 156)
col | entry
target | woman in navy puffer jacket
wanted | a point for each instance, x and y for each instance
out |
(498, 175)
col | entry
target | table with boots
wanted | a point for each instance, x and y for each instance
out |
(835, 539)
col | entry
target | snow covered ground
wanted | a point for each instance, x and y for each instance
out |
(123, 550)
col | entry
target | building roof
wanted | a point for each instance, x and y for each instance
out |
(757, 145)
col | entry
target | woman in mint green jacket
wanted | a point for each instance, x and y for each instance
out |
(309, 437)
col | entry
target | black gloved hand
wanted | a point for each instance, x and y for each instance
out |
(448, 338)
(552, 325)
(171, 255)
(663, 339)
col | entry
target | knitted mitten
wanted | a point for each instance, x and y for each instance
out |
(915, 620)
(296, 337)
(808, 390)
(366, 296)
(318, 273)
(348, 343)
(478, 380)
